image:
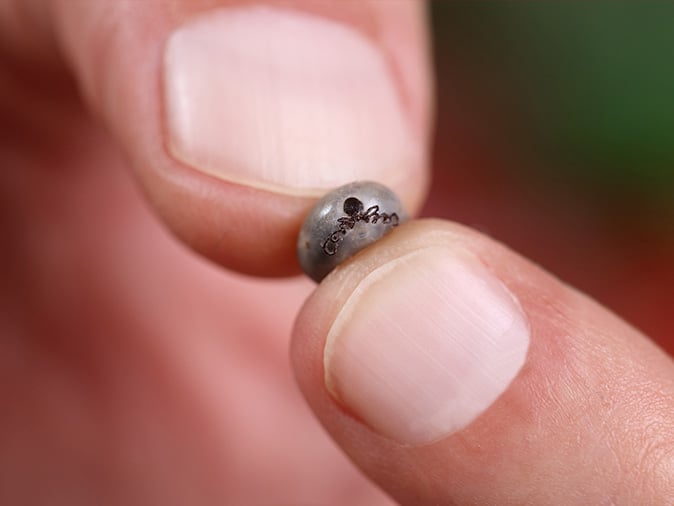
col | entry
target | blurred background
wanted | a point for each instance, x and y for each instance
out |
(555, 134)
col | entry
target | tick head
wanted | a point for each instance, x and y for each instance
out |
(353, 206)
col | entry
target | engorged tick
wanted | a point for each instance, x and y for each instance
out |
(354, 213)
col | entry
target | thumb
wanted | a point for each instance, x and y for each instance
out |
(453, 371)
(237, 115)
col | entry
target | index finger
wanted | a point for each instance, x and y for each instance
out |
(235, 116)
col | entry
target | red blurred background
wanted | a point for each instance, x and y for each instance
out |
(555, 135)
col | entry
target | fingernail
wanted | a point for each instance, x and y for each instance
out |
(424, 345)
(284, 100)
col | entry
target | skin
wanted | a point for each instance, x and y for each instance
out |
(134, 369)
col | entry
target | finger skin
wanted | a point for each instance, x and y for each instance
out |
(588, 420)
(115, 50)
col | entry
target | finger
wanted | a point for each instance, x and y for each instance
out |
(453, 371)
(236, 115)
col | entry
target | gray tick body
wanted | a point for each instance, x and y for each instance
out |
(343, 222)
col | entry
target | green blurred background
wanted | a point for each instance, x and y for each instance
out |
(555, 134)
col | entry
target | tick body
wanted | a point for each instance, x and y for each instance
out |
(343, 222)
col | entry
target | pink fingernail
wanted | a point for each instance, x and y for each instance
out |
(284, 100)
(425, 344)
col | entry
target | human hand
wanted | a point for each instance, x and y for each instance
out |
(134, 372)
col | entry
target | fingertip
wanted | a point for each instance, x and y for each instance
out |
(452, 370)
(245, 229)
(236, 118)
